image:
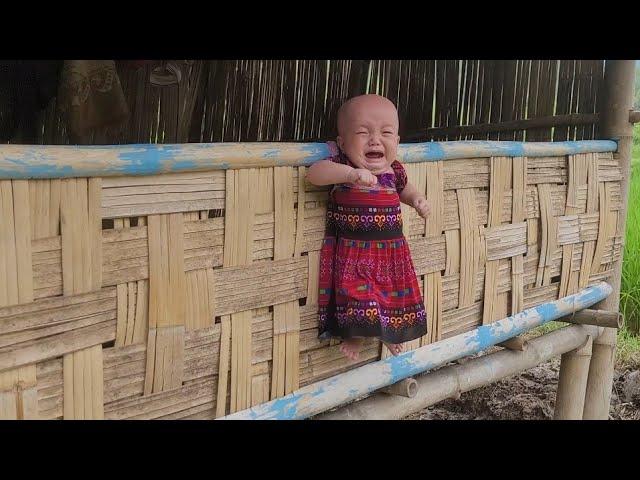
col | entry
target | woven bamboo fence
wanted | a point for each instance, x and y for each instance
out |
(193, 294)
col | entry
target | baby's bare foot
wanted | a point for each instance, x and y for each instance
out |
(394, 348)
(351, 348)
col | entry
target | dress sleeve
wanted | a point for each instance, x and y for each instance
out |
(335, 155)
(401, 176)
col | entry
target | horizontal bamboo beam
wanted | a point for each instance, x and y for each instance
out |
(634, 116)
(452, 381)
(46, 161)
(568, 120)
(332, 392)
(600, 318)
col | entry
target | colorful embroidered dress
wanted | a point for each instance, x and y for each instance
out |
(368, 285)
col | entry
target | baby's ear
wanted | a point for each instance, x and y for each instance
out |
(339, 141)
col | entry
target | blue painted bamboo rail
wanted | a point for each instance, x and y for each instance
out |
(48, 161)
(324, 395)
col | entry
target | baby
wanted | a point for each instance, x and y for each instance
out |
(368, 285)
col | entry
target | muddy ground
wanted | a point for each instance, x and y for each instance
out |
(530, 395)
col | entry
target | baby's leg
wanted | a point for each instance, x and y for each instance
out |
(351, 347)
(394, 348)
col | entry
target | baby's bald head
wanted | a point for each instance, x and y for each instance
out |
(368, 132)
(354, 108)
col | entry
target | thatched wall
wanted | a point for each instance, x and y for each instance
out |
(285, 100)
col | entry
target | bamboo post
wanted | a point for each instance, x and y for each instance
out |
(572, 383)
(617, 102)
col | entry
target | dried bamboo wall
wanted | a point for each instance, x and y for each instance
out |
(283, 100)
(193, 295)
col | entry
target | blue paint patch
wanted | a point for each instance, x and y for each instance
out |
(318, 391)
(36, 171)
(584, 299)
(404, 366)
(594, 294)
(485, 337)
(284, 408)
(273, 153)
(149, 161)
(184, 166)
(434, 151)
(354, 392)
(315, 151)
(547, 311)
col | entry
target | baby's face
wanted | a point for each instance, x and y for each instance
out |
(369, 134)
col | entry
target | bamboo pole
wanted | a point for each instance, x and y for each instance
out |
(618, 86)
(600, 318)
(572, 383)
(571, 119)
(68, 161)
(452, 381)
(515, 343)
(324, 395)
(405, 388)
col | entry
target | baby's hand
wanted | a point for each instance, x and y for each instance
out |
(422, 206)
(362, 176)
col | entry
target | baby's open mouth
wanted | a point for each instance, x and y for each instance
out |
(374, 154)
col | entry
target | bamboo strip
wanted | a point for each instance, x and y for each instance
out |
(469, 246)
(239, 219)
(165, 342)
(17, 387)
(83, 384)
(549, 236)
(286, 318)
(588, 248)
(501, 181)
(518, 215)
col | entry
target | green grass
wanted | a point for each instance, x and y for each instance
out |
(628, 349)
(635, 148)
(630, 287)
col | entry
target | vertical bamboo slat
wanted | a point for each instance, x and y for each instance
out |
(518, 214)
(18, 398)
(81, 230)
(501, 182)
(238, 250)
(167, 298)
(286, 316)
(433, 227)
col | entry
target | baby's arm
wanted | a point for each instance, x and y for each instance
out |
(411, 196)
(326, 172)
